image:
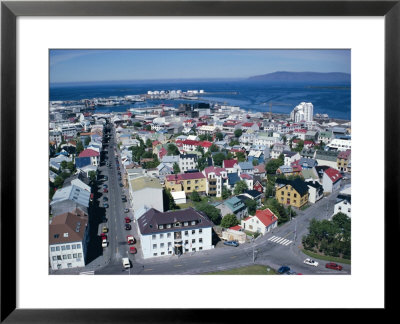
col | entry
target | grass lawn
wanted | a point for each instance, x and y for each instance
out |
(325, 257)
(249, 270)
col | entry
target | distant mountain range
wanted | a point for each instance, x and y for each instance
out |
(303, 76)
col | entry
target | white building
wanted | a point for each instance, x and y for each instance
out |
(146, 191)
(343, 202)
(262, 222)
(174, 232)
(303, 111)
(340, 144)
(187, 162)
(216, 177)
(68, 238)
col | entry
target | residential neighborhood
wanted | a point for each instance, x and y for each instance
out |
(212, 186)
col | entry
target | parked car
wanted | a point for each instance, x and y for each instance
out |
(311, 262)
(120, 184)
(103, 236)
(106, 205)
(334, 266)
(127, 220)
(283, 269)
(105, 186)
(104, 243)
(105, 178)
(132, 250)
(128, 227)
(231, 243)
(105, 229)
(105, 199)
(130, 239)
(125, 263)
(126, 210)
(105, 190)
(290, 272)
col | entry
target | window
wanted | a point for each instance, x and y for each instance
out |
(169, 244)
(54, 258)
(169, 252)
(154, 254)
(186, 233)
(200, 240)
(57, 248)
(78, 246)
(153, 236)
(69, 256)
(79, 255)
(188, 182)
(200, 248)
(162, 253)
(73, 246)
(348, 210)
(161, 236)
(185, 224)
(193, 240)
(194, 249)
(200, 230)
(295, 195)
(53, 249)
(193, 222)
(186, 242)
(68, 247)
(64, 257)
(168, 225)
(188, 188)
(154, 246)
(282, 193)
(161, 245)
(169, 235)
(160, 226)
(193, 231)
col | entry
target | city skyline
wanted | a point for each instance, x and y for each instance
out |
(99, 65)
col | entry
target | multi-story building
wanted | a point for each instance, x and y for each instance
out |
(343, 160)
(291, 192)
(93, 155)
(68, 238)
(216, 177)
(302, 112)
(174, 232)
(187, 182)
(146, 191)
(340, 144)
(187, 162)
(331, 180)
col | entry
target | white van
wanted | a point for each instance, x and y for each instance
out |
(126, 263)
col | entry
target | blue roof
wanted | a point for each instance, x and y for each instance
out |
(81, 162)
(246, 166)
(233, 178)
(234, 203)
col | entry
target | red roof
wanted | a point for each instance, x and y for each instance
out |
(259, 168)
(185, 176)
(155, 143)
(214, 169)
(229, 163)
(333, 174)
(236, 228)
(300, 130)
(344, 155)
(266, 216)
(190, 142)
(89, 153)
(247, 124)
(205, 144)
(246, 176)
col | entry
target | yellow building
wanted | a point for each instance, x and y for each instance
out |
(187, 182)
(343, 161)
(291, 192)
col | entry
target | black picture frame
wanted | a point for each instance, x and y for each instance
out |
(10, 10)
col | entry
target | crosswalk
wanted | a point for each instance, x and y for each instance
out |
(279, 240)
(87, 273)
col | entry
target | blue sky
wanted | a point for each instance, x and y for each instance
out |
(115, 65)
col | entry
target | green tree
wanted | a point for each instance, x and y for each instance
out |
(238, 133)
(169, 202)
(241, 157)
(64, 165)
(58, 181)
(234, 142)
(226, 193)
(240, 187)
(299, 146)
(172, 150)
(87, 141)
(194, 196)
(149, 143)
(137, 124)
(251, 206)
(213, 213)
(273, 165)
(255, 162)
(202, 163)
(229, 220)
(79, 147)
(219, 136)
(92, 176)
(176, 168)
(214, 148)
(218, 159)
(205, 137)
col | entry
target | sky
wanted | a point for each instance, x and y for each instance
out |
(117, 65)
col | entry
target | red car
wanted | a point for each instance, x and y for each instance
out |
(105, 190)
(127, 220)
(103, 236)
(132, 250)
(334, 266)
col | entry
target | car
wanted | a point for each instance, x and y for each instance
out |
(132, 250)
(127, 220)
(105, 178)
(103, 236)
(130, 239)
(290, 272)
(128, 227)
(231, 243)
(334, 266)
(126, 210)
(104, 243)
(106, 205)
(283, 269)
(105, 190)
(120, 179)
(105, 229)
(311, 262)
(105, 186)
(120, 184)
(105, 199)
(125, 263)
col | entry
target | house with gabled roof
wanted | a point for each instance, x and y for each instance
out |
(233, 206)
(327, 158)
(246, 167)
(315, 190)
(69, 198)
(331, 180)
(262, 222)
(188, 182)
(231, 166)
(145, 191)
(174, 232)
(92, 154)
(291, 192)
(68, 239)
(343, 160)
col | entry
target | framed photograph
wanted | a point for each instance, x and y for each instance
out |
(135, 75)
